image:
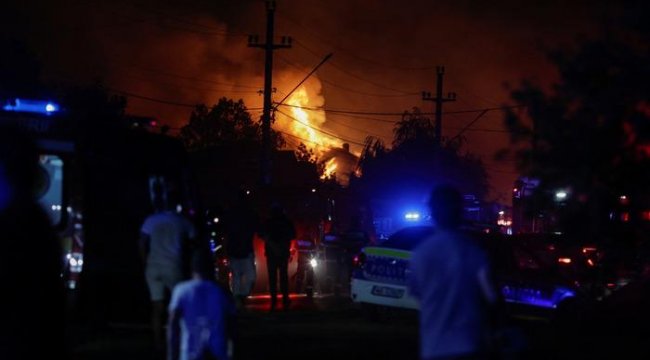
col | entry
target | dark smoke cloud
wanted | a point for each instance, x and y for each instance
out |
(160, 48)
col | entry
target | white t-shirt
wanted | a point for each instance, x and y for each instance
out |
(449, 278)
(204, 310)
(167, 232)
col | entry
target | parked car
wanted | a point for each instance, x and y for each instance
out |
(379, 275)
(530, 277)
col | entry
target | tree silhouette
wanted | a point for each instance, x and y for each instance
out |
(305, 154)
(413, 128)
(224, 123)
(591, 132)
(415, 164)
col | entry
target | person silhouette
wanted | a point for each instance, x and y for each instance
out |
(201, 315)
(31, 260)
(165, 238)
(450, 276)
(241, 225)
(278, 232)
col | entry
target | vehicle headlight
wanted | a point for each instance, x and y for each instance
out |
(75, 260)
(313, 263)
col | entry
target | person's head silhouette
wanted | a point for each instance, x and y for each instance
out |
(202, 265)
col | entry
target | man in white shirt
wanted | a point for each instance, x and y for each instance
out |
(450, 276)
(165, 238)
(201, 316)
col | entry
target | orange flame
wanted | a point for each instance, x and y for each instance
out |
(303, 122)
(304, 125)
(330, 168)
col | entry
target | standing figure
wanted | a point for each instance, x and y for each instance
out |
(450, 276)
(201, 316)
(164, 242)
(241, 225)
(278, 233)
(31, 261)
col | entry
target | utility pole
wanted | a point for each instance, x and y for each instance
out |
(269, 46)
(439, 100)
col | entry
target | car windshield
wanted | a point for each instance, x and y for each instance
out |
(408, 238)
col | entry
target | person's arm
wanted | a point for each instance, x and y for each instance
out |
(173, 335)
(173, 326)
(492, 297)
(485, 280)
(144, 244)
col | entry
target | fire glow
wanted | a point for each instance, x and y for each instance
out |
(330, 168)
(306, 122)
(304, 125)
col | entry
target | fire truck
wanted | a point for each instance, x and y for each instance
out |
(97, 184)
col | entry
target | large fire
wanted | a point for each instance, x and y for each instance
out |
(330, 168)
(306, 124)
(302, 125)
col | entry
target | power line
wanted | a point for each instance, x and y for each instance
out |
(215, 30)
(175, 85)
(339, 111)
(358, 112)
(396, 121)
(467, 90)
(173, 27)
(356, 128)
(353, 75)
(291, 142)
(163, 101)
(351, 53)
(488, 168)
(477, 118)
(331, 83)
(365, 118)
(206, 30)
(363, 92)
(298, 137)
(160, 101)
(320, 130)
(480, 129)
(185, 77)
(304, 79)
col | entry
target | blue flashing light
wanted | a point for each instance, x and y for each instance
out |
(412, 216)
(31, 106)
(535, 297)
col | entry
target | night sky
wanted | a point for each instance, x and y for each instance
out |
(385, 53)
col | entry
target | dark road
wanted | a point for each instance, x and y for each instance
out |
(334, 328)
(325, 328)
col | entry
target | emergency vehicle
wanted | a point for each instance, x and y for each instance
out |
(97, 184)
